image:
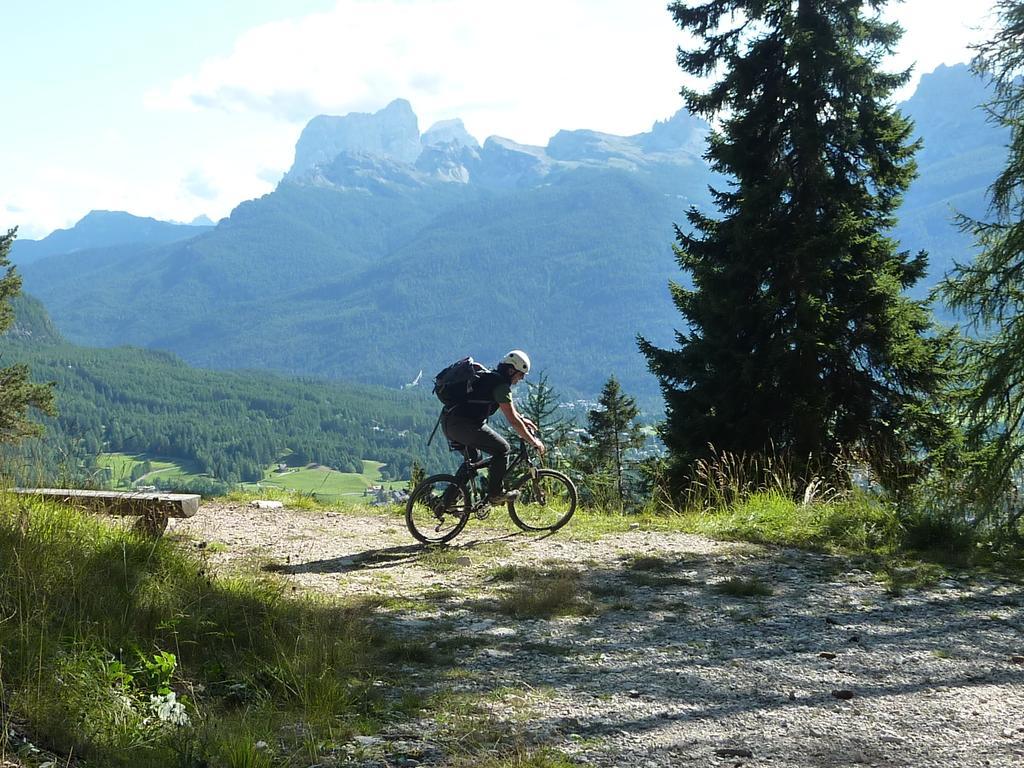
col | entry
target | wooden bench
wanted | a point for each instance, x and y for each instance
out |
(152, 509)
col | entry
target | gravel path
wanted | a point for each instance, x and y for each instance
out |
(665, 668)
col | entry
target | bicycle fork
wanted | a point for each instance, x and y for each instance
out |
(539, 497)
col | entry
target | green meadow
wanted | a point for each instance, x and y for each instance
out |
(326, 483)
(121, 467)
(322, 481)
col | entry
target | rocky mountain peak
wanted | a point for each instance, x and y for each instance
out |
(682, 131)
(447, 152)
(448, 132)
(392, 132)
(947, 109)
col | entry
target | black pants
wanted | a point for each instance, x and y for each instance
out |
(478, 437)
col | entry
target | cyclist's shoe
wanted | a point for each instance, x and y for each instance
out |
(447, 498)
(438, 504)
(502, 498)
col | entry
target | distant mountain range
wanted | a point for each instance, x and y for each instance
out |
(385, 251)
(103, 229)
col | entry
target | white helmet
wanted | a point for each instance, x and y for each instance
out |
(518, 359)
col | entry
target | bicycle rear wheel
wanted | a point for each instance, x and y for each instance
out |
(437, 510)
(546, 501)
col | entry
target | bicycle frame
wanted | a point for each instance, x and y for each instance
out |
(469, 469)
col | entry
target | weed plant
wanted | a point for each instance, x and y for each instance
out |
(738, 586)
(542, 593)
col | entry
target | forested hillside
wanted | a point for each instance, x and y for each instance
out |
(230, 424)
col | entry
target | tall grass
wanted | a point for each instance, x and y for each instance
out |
(124, 650)
(841, 507)
(726, 478)
(854, 523)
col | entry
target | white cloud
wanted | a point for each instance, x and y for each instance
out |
(523, 70)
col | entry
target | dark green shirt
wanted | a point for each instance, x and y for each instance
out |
(502, 393)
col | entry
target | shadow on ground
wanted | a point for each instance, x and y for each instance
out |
(387, 557)
(665, 656)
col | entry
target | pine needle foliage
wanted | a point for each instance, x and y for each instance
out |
(797, 330)
(18, 394)
(989, 293)
(614, 432)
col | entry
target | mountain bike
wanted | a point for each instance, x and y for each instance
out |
(441, 505)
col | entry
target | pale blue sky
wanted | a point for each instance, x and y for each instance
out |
(173, 110)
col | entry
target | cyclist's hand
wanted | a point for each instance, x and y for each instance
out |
(539, 446)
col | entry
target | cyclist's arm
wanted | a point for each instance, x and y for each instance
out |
(519, 424)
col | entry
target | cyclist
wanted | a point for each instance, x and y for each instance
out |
(466, 423)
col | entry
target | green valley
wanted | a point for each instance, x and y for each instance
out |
(207, 430)
(324, 483)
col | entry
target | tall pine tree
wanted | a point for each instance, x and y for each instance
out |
(613, 432)
(989, 292)
(543, 408)
(17, 392)
(798, 336)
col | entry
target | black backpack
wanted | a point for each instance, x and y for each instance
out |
(454, 384)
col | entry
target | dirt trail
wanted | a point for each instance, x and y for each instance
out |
(666, 669)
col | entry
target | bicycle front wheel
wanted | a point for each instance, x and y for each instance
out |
(546, 501)
(437, 510)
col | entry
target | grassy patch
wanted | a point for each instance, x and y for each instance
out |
(525, 757)
(648, 563)
(126, 651)
(466, 721)
(548, 649)
(441, 559)
(593, 524)
(409, 651)
(291, 499)
(857, 524)
(738, 586)
(673, 607)
(899, 576)
(608, 588)
(483, 739)
(509, 573)
(437, 594)
(323, 482)
(544, 593)
(652, 571)
(656, 580)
